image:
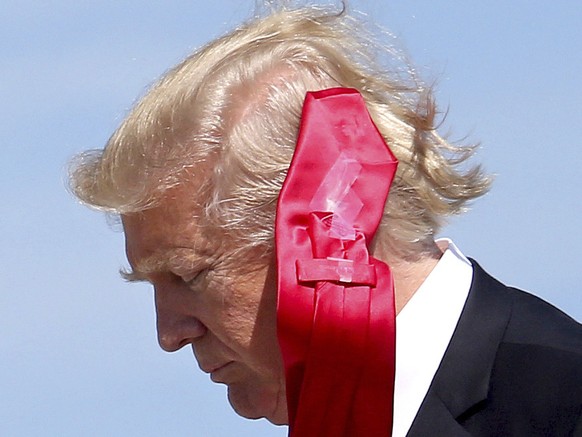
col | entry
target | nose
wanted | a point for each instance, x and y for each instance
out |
(176, 326)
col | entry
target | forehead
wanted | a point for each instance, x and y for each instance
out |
(173, 224)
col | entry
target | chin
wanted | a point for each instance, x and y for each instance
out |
(257, 403)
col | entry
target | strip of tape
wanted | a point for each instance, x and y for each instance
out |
(334, 195)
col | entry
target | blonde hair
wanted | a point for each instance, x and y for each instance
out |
(231, 112)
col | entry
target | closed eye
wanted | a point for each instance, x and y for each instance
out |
(197, 280)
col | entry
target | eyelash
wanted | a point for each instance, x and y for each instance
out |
(200, 276)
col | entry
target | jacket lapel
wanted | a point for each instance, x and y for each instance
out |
(436, 421)
(461, 382)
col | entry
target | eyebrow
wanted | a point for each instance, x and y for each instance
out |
(156, 263)
(130, 275)
(153, 264)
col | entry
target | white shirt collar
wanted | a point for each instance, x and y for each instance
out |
(424, 328)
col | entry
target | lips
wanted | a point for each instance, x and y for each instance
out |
(219, 374)
(209, 368)
(213, 368)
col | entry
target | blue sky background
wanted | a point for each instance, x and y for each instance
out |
(78, 354)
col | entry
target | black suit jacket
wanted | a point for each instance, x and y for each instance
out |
(513, 368)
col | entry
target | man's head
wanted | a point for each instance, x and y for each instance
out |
(196, 168)
(207, 297)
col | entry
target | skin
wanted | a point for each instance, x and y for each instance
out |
(202, 300)
(226, 315)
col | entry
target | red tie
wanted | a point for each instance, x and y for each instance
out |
(335, 315)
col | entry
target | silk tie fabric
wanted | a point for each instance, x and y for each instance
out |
(335, 310)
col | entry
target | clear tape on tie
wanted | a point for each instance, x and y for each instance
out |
(337, 270)
(335, 195)
(344, 268)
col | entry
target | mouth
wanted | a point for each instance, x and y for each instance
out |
(219, 374)
(217, 371)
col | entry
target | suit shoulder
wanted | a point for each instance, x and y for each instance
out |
(535, 321)
(535, 385)
(531, 320)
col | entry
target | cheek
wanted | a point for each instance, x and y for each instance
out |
(238, 325)
(248, 321)
(229, 310)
